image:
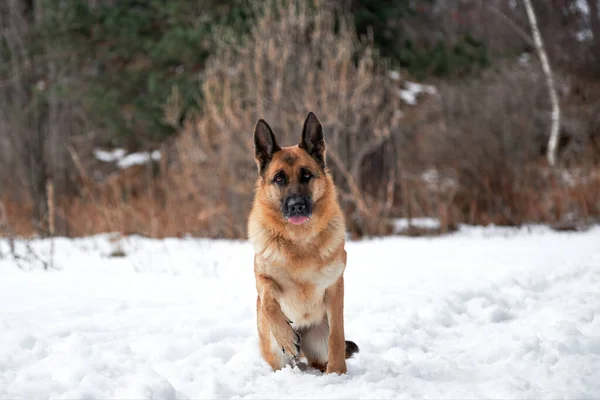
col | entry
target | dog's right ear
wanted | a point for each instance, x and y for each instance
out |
(265, 145)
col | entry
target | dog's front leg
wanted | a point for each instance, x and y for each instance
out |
(336, 361)
(279, 325)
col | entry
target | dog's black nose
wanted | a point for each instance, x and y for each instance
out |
(296, 205)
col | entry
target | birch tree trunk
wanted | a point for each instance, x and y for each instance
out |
(539, 46)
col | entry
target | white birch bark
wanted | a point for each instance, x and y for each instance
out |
(539, 45)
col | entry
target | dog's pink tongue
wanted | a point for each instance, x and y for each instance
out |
(297, 220)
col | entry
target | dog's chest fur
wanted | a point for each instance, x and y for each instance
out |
(303, 284)
(302, 265)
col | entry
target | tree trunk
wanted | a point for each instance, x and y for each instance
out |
(595, 26)
(539, 46)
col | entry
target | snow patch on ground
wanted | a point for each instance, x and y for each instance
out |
(401, 224)
(412, 90)
(481, 313)
(124, 160)
(394, 75)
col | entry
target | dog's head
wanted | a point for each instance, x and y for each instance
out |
(293, 178)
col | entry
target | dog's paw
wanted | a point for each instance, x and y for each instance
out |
(287, 338)
(339, 368)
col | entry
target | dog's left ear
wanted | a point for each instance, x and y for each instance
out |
(312, 139)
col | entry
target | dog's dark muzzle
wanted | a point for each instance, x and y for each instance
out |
(297, 209)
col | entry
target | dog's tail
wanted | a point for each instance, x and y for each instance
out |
(351, 349)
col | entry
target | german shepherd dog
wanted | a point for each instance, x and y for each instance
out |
(298, 232)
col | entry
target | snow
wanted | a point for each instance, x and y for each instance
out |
(480, 313)
(439, 182)
(394, 75)
(524, 60)
(582, 6)
(109, 156)
(584, 34)
(125, 160)
(138, 158)
(402, 224)
(412, 89)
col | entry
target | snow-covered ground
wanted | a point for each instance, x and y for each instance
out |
(482, 313)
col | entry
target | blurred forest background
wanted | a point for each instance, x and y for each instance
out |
(136, 116)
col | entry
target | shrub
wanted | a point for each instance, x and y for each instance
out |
(296, 59)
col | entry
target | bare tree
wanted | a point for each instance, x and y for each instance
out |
(36, 122)
(539, 46)
(595, 26)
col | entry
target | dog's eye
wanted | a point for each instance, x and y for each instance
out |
(306, 174)
(279, 179)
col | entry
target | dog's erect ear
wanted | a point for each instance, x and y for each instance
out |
(312, 139)
(265, 145)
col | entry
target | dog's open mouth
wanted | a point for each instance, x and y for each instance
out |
(298, 219)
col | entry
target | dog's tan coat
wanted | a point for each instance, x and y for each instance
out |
(299, 270)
